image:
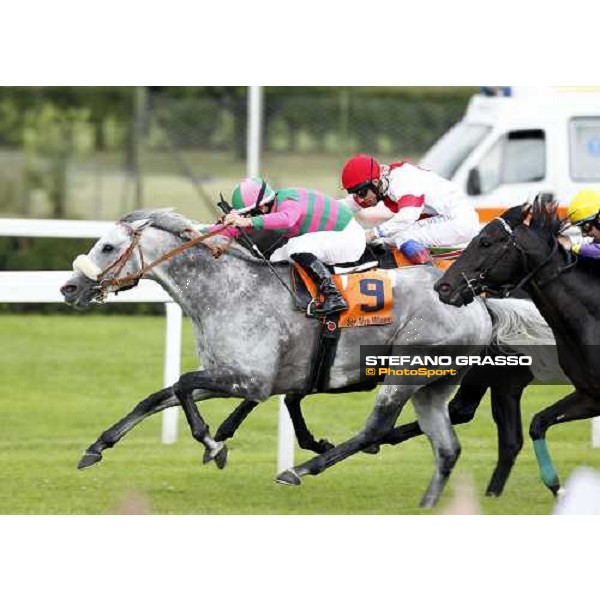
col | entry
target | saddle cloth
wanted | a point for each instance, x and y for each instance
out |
(367, 285)
(369, 296)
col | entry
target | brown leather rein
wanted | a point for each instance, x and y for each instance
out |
(131, 280)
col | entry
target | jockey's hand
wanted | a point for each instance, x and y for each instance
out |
(566, 243)
(189, 233)
(237, 220)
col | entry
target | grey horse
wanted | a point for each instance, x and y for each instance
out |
(253, 344)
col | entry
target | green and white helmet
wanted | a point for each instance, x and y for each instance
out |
(250, 194)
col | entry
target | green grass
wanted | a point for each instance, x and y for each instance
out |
(67, 378)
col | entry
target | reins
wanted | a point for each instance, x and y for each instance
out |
(132, 279)
(129, 281)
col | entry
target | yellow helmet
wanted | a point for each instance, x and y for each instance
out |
(585, 206)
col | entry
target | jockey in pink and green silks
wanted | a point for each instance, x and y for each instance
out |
(319, 230)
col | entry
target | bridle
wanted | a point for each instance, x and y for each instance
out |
(108, 279)
(478, 285)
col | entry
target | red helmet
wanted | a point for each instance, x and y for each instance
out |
(358, 171)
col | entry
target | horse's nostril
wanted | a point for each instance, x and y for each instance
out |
(68, 290)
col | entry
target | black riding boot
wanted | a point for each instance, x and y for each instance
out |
(333, 301)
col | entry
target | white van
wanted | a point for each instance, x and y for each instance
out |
(514, 142)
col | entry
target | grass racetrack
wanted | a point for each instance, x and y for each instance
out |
(67, 378)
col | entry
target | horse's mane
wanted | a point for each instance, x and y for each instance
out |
(161, 218)
(545, 221)
(544, 217)
(171, 222)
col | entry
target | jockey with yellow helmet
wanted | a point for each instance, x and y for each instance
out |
(424, 209)
(584, 211)
(319, 230)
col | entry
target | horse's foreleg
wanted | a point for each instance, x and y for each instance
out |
(152, 404)
(573, 407)
(432, 411)
(305, 438)
(389, 403)
(219, 382)
(506, 410)
(231, 424)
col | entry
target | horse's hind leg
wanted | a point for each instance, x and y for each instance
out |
(461, 409)
(389, 403)
(506, 410)
(432, 412)
(152, 404)
(573, 407)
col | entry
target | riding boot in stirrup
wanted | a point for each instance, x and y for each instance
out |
(333, 301)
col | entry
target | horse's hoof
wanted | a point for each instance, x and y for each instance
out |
(324, 446)
(221, 457)
(493, 494)
(89, 459)
(372, 449)
(289, 477)
(555, 489)
(218, 454)
(428, 502)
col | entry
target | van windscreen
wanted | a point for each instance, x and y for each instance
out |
(584, 145)
(451, 150)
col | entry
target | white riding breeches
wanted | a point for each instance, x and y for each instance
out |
(330, 247)
(442, 230)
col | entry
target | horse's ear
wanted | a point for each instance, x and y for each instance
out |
(526, 213)
(544, 203)
(141, 224)
(550, 204)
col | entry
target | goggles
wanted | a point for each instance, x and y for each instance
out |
(587, 224)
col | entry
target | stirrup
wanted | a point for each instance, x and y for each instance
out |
(314, 306)
(311, 307)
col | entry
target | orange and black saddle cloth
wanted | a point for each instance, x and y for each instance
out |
(367, 285)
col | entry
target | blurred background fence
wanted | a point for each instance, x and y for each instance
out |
(99, 152)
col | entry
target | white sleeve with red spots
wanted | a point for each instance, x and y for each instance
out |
(418, 192)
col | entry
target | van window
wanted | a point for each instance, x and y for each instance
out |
(450, 151)
(517, 157)
(585, 148)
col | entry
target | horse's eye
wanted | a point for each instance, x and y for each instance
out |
(107, 248)
(485, 243)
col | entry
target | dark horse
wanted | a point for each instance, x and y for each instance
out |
(521, 249)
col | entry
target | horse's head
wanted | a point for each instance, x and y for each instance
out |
(506, 253)
(114, 257)
(116, 261)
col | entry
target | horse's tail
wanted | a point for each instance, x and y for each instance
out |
(519, 324)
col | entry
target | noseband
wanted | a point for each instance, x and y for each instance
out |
(105, 283)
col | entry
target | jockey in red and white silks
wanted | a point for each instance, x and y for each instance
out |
(425, 207)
